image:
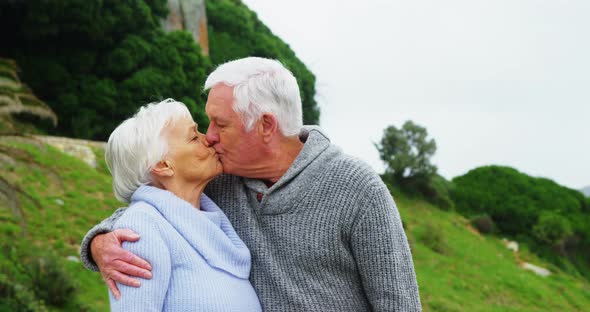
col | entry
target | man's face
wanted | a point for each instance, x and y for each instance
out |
(238, 150)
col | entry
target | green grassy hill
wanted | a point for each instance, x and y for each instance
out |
(458, 269)
(48, 200)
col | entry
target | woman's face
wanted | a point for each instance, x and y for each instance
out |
(189, 154)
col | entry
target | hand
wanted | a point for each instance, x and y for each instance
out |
(117, 264)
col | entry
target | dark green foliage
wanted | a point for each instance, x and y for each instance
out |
(552, 228)
(514, 200)
(236, 32)
(434, 238)
(484, 224)
(538, 210)
(96, 62)
(32, 278)
(438, 191)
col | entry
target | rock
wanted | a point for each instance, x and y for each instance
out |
(81, 149)
(59, 202)
(536, 269)
(73, 259)
(512, 245)
(191, 16)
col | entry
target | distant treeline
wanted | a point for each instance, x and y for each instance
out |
(95, 62)
(552, 219)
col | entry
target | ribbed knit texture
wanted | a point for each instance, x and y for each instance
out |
(199, 263)
(326, 237)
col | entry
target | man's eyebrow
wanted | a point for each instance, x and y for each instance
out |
(218, 120)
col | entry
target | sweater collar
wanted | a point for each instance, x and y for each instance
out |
(208, 230)
(316, 142)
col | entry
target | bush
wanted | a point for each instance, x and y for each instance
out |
(434, 238)
(552, 229)
(15, 297)
(438, 191)
(31, 278)
(484, 224)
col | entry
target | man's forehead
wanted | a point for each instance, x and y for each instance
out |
(219, 99)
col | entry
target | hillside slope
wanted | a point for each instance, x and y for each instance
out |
(458, 269)
(49, 199)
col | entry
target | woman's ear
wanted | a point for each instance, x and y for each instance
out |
(267, 126)
(163, 169)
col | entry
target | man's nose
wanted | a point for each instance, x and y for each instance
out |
(212, 136)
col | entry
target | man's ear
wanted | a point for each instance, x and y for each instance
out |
(267, 126)
(163, 169)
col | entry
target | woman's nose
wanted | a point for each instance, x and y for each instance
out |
(203, 139)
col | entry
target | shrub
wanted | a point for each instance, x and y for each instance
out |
(15, 297)
(32, 277)
(434, 238)
(552, 228)
(484, 224)
(437, 191)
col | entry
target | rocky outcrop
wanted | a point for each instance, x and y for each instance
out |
(189, 15)
(81, 149)
(15, 97)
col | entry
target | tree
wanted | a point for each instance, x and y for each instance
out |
(95, 62)
(406, 153)
(235, 32)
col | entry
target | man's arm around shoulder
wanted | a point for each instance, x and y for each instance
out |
(101, 251)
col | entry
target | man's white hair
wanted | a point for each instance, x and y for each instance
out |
(138, 144)
(261, 86)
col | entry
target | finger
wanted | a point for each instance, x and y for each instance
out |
(127, 256)
(130, 269)
(124, 279)
(126, 235)
(114, 289)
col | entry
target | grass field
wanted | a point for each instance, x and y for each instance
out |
(58, 198)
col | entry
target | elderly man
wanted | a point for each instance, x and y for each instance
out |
(323, 230)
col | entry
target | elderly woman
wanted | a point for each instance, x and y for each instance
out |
(160, 165)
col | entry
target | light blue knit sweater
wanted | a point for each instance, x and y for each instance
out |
(199, 262)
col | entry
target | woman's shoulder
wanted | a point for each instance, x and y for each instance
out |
(139, 214)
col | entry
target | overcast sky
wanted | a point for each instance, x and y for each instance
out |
(494, 82)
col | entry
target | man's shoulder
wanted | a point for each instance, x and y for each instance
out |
(342, 163)
(334, 154)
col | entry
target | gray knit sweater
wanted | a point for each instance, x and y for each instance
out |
(326, 237)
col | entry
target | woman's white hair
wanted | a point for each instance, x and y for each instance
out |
(138, 144)
(261, 86)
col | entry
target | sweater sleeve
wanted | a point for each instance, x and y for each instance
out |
(152, 246)
(103, 227)
(383, 256)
